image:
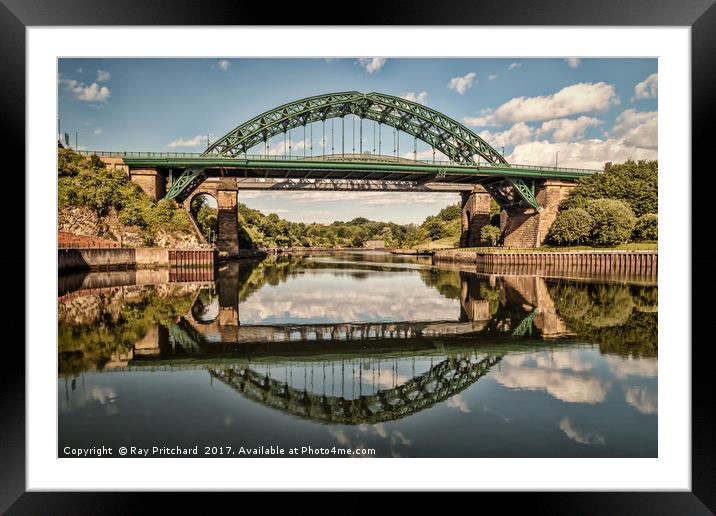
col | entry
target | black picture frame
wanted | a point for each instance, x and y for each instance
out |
(700, 15)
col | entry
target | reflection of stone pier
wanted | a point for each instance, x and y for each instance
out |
(534, 290)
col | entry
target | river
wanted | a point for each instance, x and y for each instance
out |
(385, 355)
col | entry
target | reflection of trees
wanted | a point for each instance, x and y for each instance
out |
(620, 318)
(89, 342)
(447, 282)
(492, 295)
(596, 305)
(202, 305)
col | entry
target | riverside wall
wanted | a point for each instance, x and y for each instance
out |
(630, 262)
(132, 258)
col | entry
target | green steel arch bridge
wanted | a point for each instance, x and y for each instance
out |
(241, 158)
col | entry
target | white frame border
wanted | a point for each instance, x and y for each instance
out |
(671, 471)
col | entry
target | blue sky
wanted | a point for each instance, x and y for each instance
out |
(587, 110)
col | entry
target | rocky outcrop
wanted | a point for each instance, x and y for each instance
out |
(80, 220)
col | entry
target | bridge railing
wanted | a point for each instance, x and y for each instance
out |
(330, 157)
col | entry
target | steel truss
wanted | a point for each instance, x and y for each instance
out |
(439, 131)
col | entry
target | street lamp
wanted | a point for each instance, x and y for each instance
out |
(556, 157)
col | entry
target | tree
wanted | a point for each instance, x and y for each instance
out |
(449, 213)
(647, 227)
(572, 226)
(490, 235)
(634, 182)
(613, 221)
(435, 228)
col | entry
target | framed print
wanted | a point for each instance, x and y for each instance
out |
(284, 245)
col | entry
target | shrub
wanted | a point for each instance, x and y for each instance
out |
(572, 226)
(490, 234)
(613, 221)
(647, 227)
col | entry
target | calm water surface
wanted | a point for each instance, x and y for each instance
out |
(359, 350)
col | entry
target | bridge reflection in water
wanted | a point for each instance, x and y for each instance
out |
(393, 397)
(339, 373)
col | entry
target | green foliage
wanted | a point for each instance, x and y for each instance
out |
(69, 163)
(647, 227)
(257, 230)
(572, 226)
(634, 182)
(620, 318)
(95, 162)
(207, 218)
(490, 235)
(449, 213)
(613, 221)
(88, 183)
(494, 208)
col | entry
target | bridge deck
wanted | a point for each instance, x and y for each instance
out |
(351, 166)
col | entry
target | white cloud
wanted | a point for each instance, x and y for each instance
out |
(458, 402)
(565, 129)
(578, 435)
(563, 385)
(638, 128)
(642, 399)
(518, 133)
(632, 367)
(223, 64)
(514, 65)
(461, 84)
(573, 62)
(103, 75)
(92, 93)
(591, 154)
(647, 89)
(297, 146)
(97, 131)
(582, 97)
(372, 64)
(420, 98)
(195, 141)
(492, 77)
(426, 154)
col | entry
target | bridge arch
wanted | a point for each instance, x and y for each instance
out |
(443, 133)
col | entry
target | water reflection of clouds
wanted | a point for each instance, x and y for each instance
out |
(458, 402)
(364, 433)
(576, 376)
(580, 436)
(95, 396)
(642, 398)
(624, 367)
(349, 301)
(559, 373)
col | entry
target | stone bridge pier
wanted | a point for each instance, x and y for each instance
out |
(226, 194)
(475, 215)
(528, 227)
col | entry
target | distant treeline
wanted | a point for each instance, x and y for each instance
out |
(257, 230)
